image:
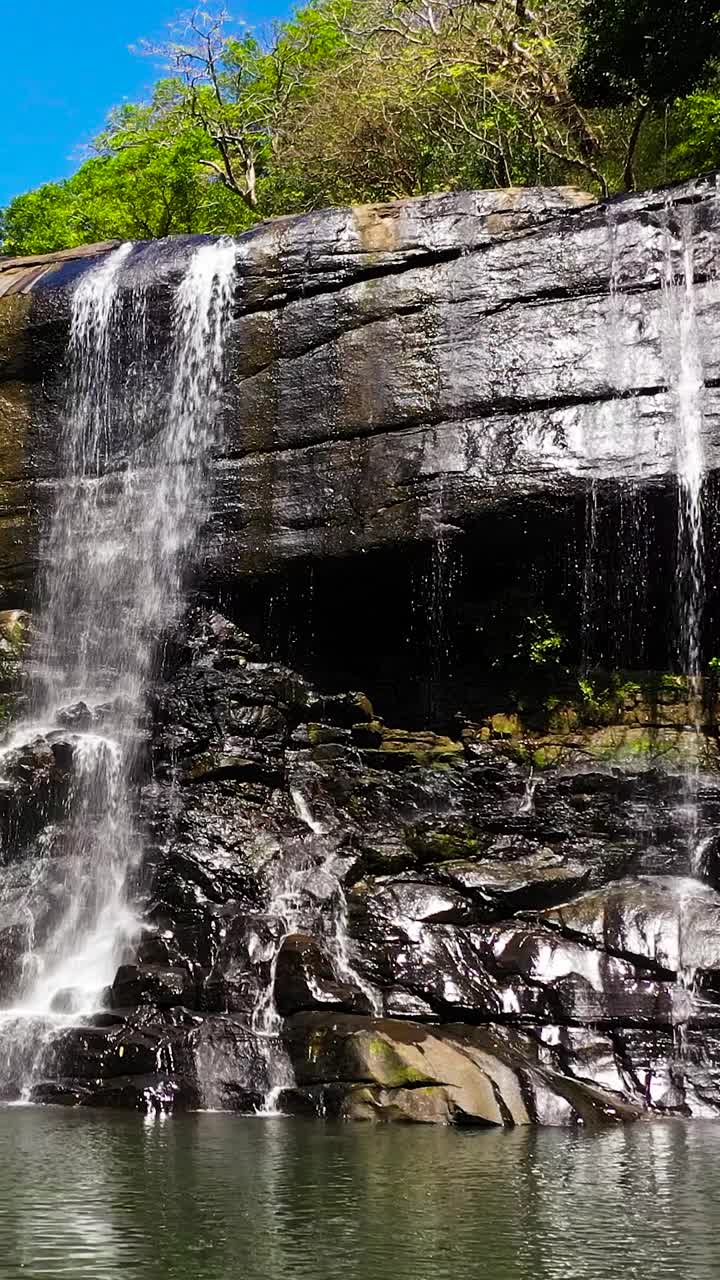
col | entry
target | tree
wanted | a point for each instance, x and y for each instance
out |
(240, 91)
(696, 141)
(438, 93)
(351, 101)
(40, 221)
(144, 182)
(647, 53)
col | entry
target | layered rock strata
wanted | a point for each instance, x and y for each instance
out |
(397, 370)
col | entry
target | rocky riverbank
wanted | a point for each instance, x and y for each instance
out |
(471, 939)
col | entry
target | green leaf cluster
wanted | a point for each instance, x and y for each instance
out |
(656, 50)
(541, 643)
(352, 101)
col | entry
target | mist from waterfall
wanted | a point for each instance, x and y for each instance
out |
(126, 519)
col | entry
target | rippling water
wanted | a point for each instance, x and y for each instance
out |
(217, 1197)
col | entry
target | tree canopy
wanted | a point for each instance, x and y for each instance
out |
(657, 50)
(357, 100)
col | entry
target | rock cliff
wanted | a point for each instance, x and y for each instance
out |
(399, 369)
(456, 413)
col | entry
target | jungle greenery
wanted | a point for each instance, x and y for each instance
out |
(353, 101)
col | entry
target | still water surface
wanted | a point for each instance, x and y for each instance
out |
(211, 1197)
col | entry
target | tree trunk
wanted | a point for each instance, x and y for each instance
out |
(629, 170)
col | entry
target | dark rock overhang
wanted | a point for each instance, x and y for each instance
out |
(396, 371)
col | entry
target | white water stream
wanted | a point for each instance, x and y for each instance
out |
(114, 557)
(684, 363)
(683, 357)
(305, 894)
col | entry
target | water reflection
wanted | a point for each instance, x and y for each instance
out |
(104, 1196)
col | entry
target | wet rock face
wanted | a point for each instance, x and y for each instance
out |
(399, 369)
(468, 920)
(373, 1069)
(304, 980)
(440, 942)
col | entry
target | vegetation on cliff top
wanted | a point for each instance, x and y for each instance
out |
(360, 100)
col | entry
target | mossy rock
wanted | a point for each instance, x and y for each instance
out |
(504, 725)
(671, 747)
(446, 846)
(666, 748)
(368, 735)
(618, 717)
(343, 709)
(388, 1066)
(14, 628)
(386, 1069)
(319, 734)
(403, 749)
(216, 765)
(563, 719)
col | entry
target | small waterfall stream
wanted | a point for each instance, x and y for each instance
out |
(688, 385)
(682, 351)
(114, 564)
(304, 894)
(684, 362)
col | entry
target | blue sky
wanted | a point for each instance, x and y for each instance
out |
(66, 65)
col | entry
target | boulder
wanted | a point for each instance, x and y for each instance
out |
(375, 1069)
(242, 973)
(304, 979)
(152, 985)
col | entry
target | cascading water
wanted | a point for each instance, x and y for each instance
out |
(114, 562)
(682, 352)
(614, 621)
(304, 894)
(626, 553)
(684, 360)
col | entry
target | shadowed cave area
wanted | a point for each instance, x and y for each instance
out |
(510, 608)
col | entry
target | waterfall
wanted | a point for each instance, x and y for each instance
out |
(616, 539)
(684, 360)
(127, 514)
(682, 351)
(688, 385)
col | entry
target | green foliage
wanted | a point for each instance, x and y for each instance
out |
(698, 125)
(658, 50)
(541, 643)
(143, 191)
(603, 695)
(40, 221)
(351, 101)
